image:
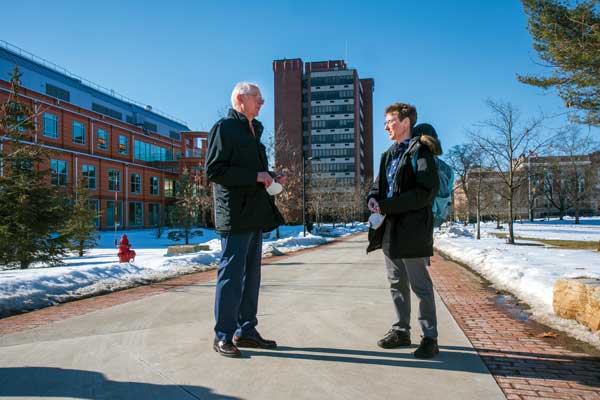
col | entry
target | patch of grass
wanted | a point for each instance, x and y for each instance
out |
(561, 244)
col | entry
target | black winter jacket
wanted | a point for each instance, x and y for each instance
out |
(408, 227)
(234, 157)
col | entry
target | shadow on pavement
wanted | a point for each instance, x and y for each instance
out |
(455, 360)
(59, 382)
(505, 363)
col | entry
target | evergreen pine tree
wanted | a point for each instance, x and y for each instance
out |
(81, 227)
(187, 207)
(31, 211)
(566, 37)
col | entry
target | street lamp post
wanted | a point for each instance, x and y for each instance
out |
(304, 160)
(304, 211)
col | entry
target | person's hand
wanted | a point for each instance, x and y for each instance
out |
(280, 178)
(373, 206)
(265, 178)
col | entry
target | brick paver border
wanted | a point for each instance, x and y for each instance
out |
(524, 365)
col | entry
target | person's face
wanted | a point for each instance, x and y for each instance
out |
(397, 130)
(251, 103)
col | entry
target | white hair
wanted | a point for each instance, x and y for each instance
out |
(242, 88)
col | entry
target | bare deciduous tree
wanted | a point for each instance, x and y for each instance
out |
(462, 159)
(506, 141)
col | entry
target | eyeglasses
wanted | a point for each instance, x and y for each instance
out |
(389, 121)
(259, 98)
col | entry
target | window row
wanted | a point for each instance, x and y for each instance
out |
(150, 152)
(334, 167)
(114, 213)
(331, 95)
(332, 80)
(333, 152)
(335, 138)
(59, 177)
(78, 134)
(333, 109)
(333, 123)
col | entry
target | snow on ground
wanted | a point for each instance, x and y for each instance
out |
(99, 270)
(528, 270)
(588, 230)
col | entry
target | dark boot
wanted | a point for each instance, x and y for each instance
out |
(394, 338)
(427, 349)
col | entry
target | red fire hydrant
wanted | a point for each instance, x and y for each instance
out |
(125, 253)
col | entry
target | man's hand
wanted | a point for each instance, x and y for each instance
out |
(373, 206)
(264, 178)
(280, 178)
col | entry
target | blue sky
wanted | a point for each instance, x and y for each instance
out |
(184, 57)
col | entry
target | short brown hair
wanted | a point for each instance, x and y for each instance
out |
(404, 111)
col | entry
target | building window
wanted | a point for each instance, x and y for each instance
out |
(149, 152)
(20, 120)
(114, 180)
(136, 183)
(94, 205)
(57, 92)
(136, 213)
(581, 185)
(123, 145)
(89, 176)
(102, 138)
(78, 132)
(154, 214)
(169, 188)
(50, 125)
(154, 186)
(58, 172)
(114, 213)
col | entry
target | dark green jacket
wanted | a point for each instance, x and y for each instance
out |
(408, 228)
(234, 157)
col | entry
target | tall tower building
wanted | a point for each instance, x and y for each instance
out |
(324, 128)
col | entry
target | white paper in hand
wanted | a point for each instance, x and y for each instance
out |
(375, 220)
(275, 188)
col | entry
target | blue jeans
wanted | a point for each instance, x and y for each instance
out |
(238, 283)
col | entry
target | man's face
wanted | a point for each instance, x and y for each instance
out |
(397, 130)
(251, 103)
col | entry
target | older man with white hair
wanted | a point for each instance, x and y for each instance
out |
(236, 162)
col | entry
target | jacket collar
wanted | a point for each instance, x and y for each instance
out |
(258, 126)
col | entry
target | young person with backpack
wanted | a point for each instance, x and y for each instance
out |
(404, 192)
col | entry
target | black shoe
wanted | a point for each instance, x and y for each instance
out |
(394, 339)
(226, 348)
(254, 341)
(427, 349)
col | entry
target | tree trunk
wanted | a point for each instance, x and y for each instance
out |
(478, 220)
(511, 235)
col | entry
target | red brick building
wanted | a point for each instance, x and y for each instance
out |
(129, 154)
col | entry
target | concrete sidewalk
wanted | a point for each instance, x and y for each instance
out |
(326, 308)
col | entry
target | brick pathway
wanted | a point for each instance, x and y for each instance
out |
(525, 366)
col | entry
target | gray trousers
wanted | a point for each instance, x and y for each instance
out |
(404, 274)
